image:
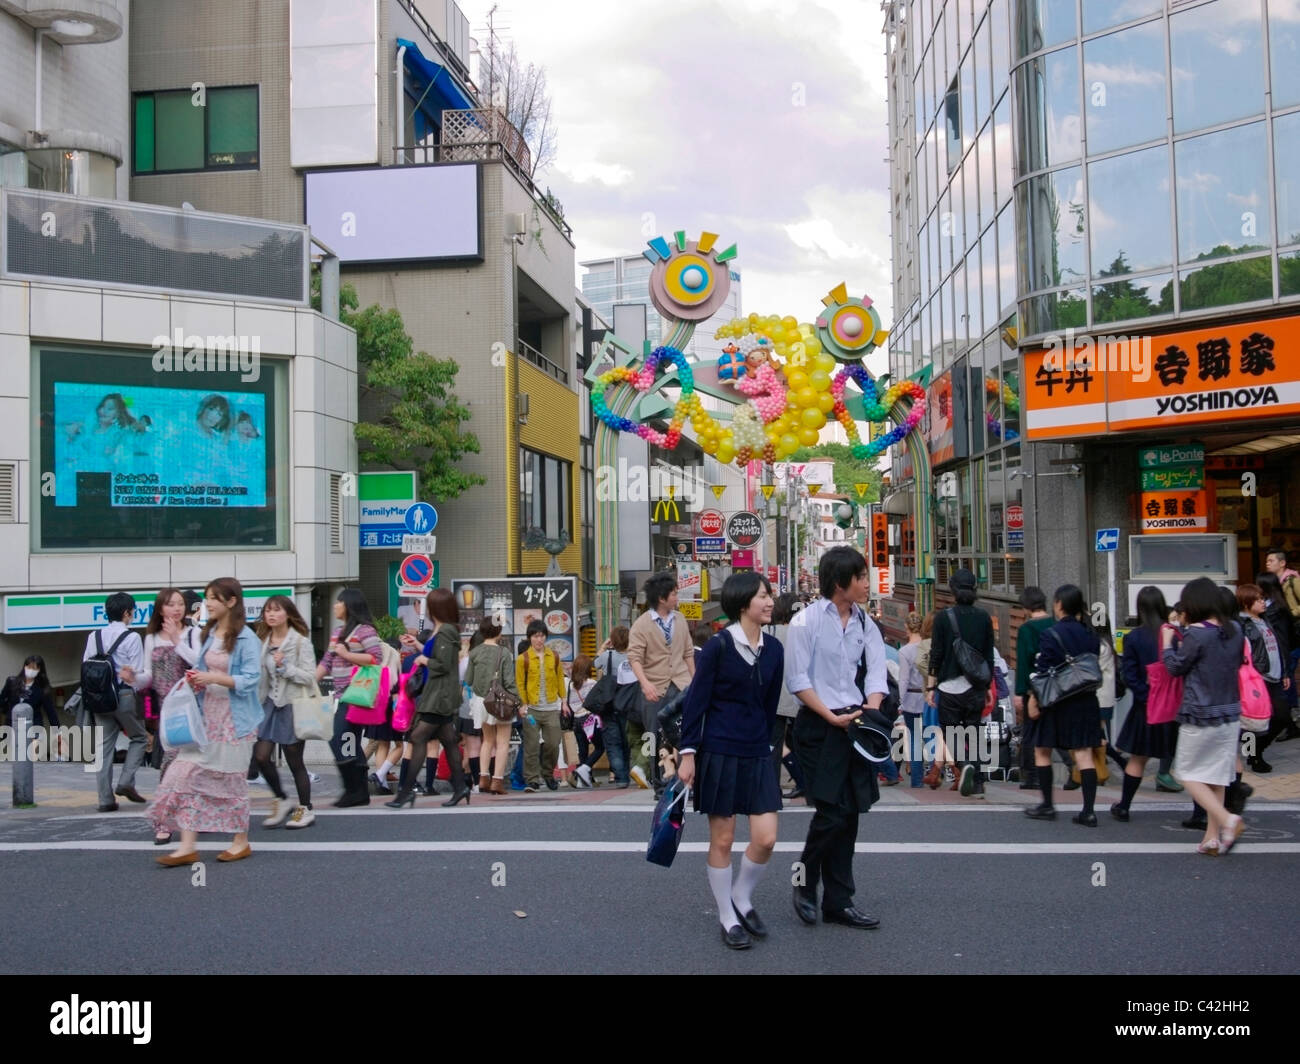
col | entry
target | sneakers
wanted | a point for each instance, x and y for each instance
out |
(583, 775)
(638, 777)
(967, 780)
(531, 788)
(280, 810)
(302, 817)
(552, 784)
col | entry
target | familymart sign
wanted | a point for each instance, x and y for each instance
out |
(85, 611)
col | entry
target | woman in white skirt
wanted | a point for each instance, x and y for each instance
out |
(1209, 657)
(486, 662)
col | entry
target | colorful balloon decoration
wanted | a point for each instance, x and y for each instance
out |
(1010, 402)
(788, 376)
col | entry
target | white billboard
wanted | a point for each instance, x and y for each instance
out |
(398, 213)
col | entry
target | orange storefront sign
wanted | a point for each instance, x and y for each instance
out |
(1207, 375)
(1175, 511)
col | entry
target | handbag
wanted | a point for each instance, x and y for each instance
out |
(1164, 691)
(1077, 675)
(971, 663)
(367, 695)
(1256, 706)
(667, 823)
(313, 716)
(500, 704)
(404, 704)
(181, 722)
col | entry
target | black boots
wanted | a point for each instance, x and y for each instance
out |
(356, 788)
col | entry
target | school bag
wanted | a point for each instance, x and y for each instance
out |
(99, 684)
(969, 660)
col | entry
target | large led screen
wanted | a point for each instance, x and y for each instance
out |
(131, 457)
(398, 213)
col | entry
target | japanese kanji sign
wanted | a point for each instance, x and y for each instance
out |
(515, 602)
(1174, 511)
(1213, 374)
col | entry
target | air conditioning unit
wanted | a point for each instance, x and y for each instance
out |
(516, 224)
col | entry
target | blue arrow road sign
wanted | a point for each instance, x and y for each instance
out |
(1107, 540)
(421, 519)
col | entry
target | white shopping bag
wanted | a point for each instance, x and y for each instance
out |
(180, 723)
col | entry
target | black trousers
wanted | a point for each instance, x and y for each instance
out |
(828, 853)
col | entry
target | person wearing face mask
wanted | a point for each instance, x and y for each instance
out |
(26, 697)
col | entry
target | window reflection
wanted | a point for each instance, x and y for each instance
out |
(1006, 260)
(968, 102)
(1128, 214)
(1284, 51)
(1000, 30)
(989, 276)
(1286, 168)
(952, 125)
(980, 58)
(1053, 311)
(987, 201)
(1124, 84)
(1222, 193)
(1043, 23)
(1050, 211)
(1002, 148)
(1050, 122)
(1218, 64)
(1225, 283)
(1133, 297)
(1102, 14)
(1288, 271)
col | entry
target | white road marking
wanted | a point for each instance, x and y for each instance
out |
(567, 846)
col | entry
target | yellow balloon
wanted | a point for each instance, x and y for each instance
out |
(708, 445)
(813, 418)
(813, 345)
(789, 443)
(789, 322)
(826, 402)
(808, 437)
(806, 397)
(796, 379)
(726, 455)
(823, 360)
(819, 380)
(793, 336)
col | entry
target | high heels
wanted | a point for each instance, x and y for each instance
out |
(406, 797)
(462, 792)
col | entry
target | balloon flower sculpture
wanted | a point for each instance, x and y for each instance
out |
(786, 377)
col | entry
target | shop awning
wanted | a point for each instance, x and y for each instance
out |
(444, 92)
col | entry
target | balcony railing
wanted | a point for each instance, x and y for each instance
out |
(531, 354)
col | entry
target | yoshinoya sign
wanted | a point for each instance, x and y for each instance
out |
(84, 611)
(744, 528)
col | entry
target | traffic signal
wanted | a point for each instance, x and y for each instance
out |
(880, 540)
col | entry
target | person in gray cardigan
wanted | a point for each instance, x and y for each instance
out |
(1208, 659)
(288, 672)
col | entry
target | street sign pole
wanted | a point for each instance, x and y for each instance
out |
(1110, 585)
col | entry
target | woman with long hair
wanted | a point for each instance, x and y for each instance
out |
(206, 790)
(353, 644)
(727, 722)
(1209, 658)
(288, 672)
(1140, 739)
(582, 678)
(31, 685)
(439, 703)
(613, 725)
(911, 691)
(1074, 723)
(489, 661)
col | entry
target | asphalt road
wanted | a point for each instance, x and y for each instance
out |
(566, 889)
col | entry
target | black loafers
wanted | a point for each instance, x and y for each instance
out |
(108, 808)
(805, 907)
(1119, 812)
(1042, 811)
(751, 922)
(1088, 820)
(851, 917)
(131, 795)
(736, 938)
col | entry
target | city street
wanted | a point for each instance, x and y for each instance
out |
(960, 888)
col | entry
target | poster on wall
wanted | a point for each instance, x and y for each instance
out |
(515, 602)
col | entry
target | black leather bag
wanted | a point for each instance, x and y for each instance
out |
(969, 660)
(1077, 675)
(500, 704)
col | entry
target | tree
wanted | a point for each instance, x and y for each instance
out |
(848, 470)
(520, 93)
(420, 424)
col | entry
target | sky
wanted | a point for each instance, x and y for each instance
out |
(763, 122)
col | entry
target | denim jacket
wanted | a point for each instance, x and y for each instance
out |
(246, 668)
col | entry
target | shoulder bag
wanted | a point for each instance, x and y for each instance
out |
(1256, 706)
(1077, 675)
(1164, 691)
(500, 704)
(969, 660)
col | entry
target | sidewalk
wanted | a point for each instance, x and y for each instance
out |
(68, 788)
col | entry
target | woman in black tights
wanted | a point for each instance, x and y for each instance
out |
(288, 673)
(439, 705)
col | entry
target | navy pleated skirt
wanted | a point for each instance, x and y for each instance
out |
(1144, 739)
(735, 786)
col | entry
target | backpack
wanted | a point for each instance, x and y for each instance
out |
(969, 660)
(99, 681)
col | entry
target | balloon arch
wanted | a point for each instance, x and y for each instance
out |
(786, 379)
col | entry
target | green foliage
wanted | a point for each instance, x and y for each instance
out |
(420, 424)
(388, 627)
(848, 470)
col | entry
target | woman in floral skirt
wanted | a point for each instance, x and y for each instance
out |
(207, 790)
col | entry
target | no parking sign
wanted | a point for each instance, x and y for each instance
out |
(415, 575)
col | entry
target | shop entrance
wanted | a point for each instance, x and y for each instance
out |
(1268, 519)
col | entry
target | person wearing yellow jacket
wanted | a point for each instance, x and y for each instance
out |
(540, 681)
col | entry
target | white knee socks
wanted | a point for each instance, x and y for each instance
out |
(720, 884)
(743, 892)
